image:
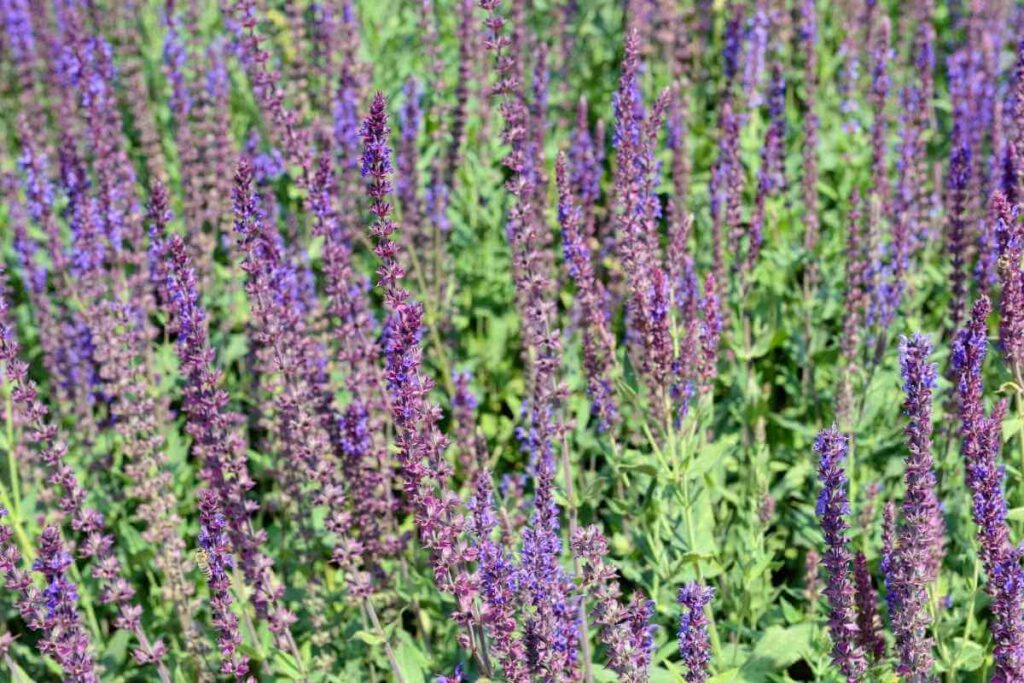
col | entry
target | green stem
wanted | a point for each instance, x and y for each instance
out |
(716, 646)
(432, 319)
(392, 660)
(86, 600)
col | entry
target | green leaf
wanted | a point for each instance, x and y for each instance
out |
(369, 637)
(412, 663)
(777, 649)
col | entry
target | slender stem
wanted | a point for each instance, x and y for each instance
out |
(86, 596)
(432, 318)
(968, 622)
(392, 660)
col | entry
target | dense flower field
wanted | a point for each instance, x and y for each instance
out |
(471, 340)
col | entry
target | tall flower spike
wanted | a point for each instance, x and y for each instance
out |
(769, 178)
(552, 632)
(694, 647)
(215, 430)
(354, 328)
(598, 343)
(869, 635)
(636, 214)
(18, 582)
(854, 299)
(831, 447)
(425, 472)
(956, 240)
(288, 132)
(925, 528)
(215, 560)
(1010, 240)
(498, 584)
(624, 630)
(980, 446)
(808, 32)
(94, 540)
(64, 636)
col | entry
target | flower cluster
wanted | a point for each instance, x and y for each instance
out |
(693, 631)
(833, 506)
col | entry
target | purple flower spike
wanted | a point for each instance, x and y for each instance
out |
(425, 471)
(923, 517)
(598, 342)
(831, 447)
(981, 442)
(1010, 240)
(869, 634)
(959, 179)
(64, 636)
(216, 561)
(694, 647)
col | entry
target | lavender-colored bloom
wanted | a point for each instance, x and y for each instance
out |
(710, 333)
(847, 87)
(769, 176)
(879, 188)
(1015, 149)
(625, 631)
(217, 443)
(854, 301)
(913, 552)
(1009, 237)
(407, 156)
(498, 584)
(758, 30)
(214, 555)
(956, 238)
(925, 528)
(94, 540)
(981, 443)
(694, 647)
(552, 633)
(733, 43)
(598, 343)
(424, 469)
(289, 135)
(869, 634)
(808, 32)
(464, 406)
(584, 162)
(726, 186)
(676, 141)
(355, 330)
(64, 636)
(115, 175)
(905, 199)
(833, 506)
(460, 112)
(292, 361)
(21, 44)
(17, 582)
(637, 212)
